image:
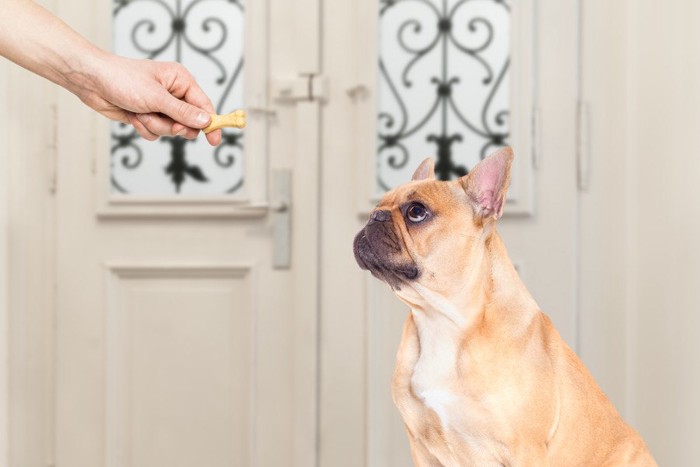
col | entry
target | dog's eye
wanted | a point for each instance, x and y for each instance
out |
(416, 212)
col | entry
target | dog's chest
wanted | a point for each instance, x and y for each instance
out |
(436, 405)
(433, 378)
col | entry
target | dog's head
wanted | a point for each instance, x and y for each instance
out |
(427, 231)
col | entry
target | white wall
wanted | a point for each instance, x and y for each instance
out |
(640, 224)
(665, 119)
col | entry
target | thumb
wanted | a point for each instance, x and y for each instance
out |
(182, 112)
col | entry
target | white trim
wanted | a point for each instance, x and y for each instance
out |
(306, 244)
(365, 57)
(125, 207)
(523, 92)
(306, 279)
(632, 212)
(4, 275)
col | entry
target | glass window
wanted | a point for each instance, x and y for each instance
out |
(444, 85)
(207, 37)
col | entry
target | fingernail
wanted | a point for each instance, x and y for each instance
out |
(143, 118)
(181, 132)
(203, 119)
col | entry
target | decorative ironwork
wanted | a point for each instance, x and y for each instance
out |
(443, 82)
(197, 33)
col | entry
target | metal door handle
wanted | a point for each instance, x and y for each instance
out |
(267, 111)
(279, 206)
(281, 209)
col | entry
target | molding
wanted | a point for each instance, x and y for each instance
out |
(128, 270)
(632, 251)
(306, 280)
(523, 92)
(115, 272)
(365, 57)
(4, 274)
(126, 207)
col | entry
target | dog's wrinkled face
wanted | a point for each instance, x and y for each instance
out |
(415, 230)
(403, 232)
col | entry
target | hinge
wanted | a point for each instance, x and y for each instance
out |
(304, 88)
(536, 137)
(583, 162)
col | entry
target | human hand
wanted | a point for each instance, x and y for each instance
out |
(157, 98)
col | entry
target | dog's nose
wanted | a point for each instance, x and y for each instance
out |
(379, 216)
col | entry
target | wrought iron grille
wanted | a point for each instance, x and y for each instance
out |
(444, 79)
(207, 37)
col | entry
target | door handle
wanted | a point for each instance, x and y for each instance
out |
(281, 208)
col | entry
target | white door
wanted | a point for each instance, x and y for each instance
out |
(171, 329)
(362, 321)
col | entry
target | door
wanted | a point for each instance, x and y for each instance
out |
(371, 103)
(177, 325)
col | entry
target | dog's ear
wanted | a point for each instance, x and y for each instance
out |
(425, 171)
(487, 183)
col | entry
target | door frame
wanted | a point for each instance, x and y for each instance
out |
(4, 271)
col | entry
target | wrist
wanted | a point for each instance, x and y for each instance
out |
(81, 71)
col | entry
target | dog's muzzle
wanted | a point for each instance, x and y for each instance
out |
(378, 249)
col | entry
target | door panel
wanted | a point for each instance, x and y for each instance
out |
(361, 331)
(176, 335)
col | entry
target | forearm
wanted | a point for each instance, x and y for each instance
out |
(157, 98)
(37, 40)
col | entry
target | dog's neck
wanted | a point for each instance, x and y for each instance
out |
(492, 291)
(488, 292)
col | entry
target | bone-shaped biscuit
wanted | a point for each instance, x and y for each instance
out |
(232, 120)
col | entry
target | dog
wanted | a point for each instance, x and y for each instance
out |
(482, 377)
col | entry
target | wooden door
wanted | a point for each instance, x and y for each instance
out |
(361, 331)
(155, 329)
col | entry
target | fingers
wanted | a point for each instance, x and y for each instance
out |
(177, 107)
(214, 138)
(182, 85)
(152, 126)
(165, 126)
(183, 112)
(141, 128)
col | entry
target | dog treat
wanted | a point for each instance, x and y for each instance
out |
(232, 120)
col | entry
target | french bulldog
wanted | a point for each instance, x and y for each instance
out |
(482, 377)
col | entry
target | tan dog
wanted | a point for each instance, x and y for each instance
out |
(482, 377)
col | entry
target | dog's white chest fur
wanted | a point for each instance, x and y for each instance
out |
(433, 374)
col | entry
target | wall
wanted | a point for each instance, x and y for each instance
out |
(640, 218)
(665, 118)
(602, 202)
